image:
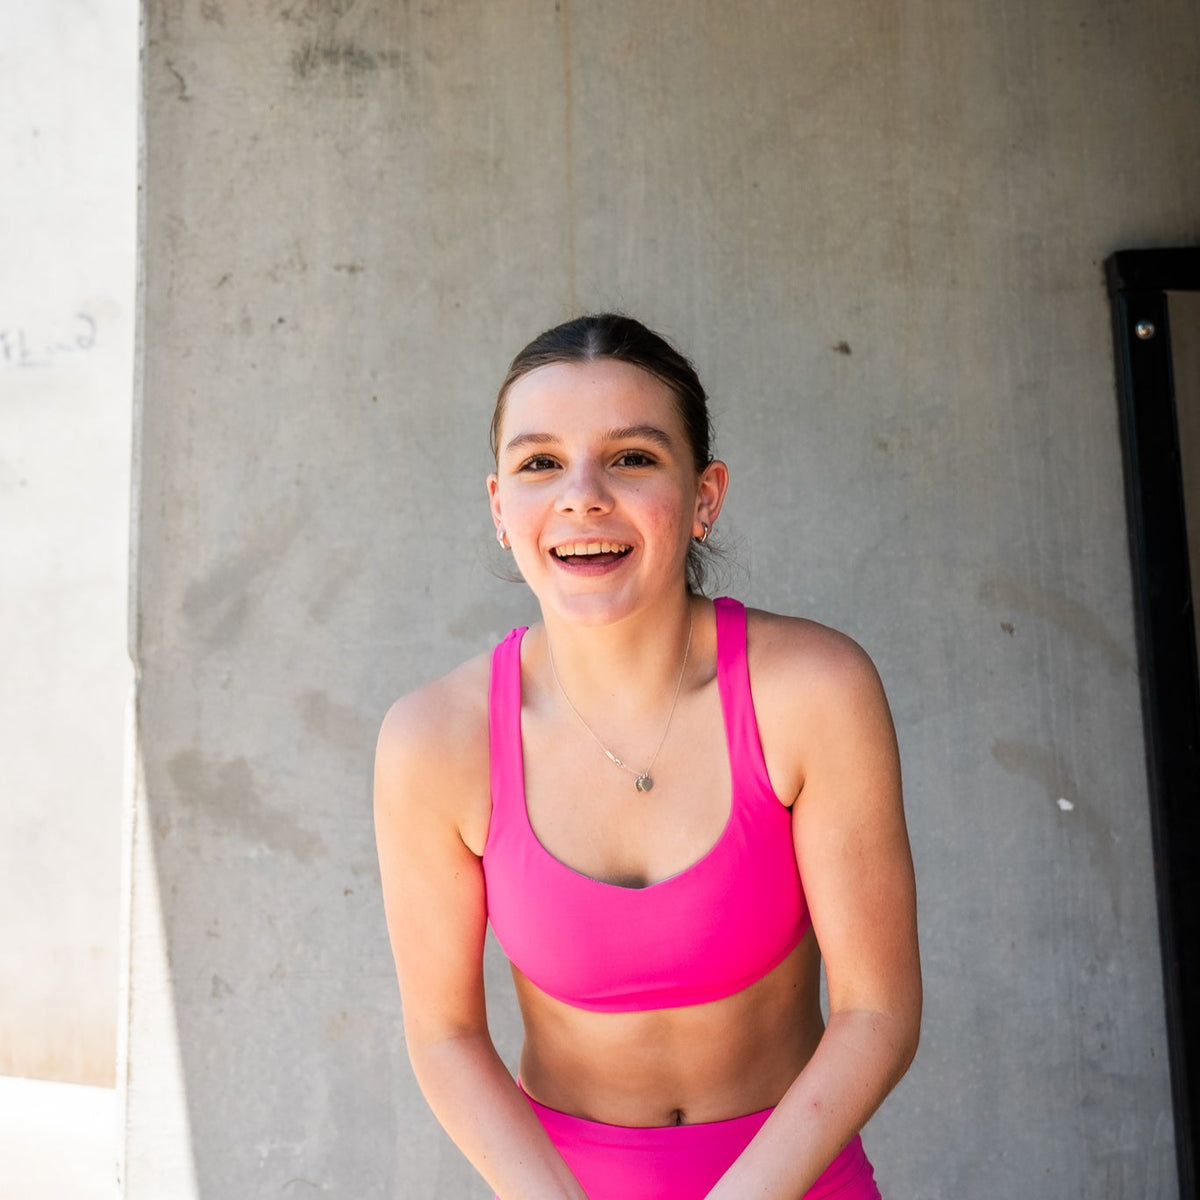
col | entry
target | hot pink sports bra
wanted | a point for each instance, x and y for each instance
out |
(707, 932)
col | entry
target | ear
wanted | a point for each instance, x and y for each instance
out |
(710, 495)
(494, 500)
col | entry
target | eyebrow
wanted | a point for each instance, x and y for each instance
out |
(625, 433)
(649, 433)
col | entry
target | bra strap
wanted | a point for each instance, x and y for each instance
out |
(733, 680)
(506, 769)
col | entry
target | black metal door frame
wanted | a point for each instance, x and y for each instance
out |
(1138, 281)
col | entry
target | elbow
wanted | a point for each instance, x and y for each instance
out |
(423, 1040)
(898, 1039)
(438, 1058)
(890, 1033)
(887, 1034)
(909, 1037)
(908, 1049)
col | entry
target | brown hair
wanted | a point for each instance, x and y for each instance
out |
(613, 335)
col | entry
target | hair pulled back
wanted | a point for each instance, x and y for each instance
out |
(613, 335)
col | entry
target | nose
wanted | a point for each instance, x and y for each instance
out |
(583, 489)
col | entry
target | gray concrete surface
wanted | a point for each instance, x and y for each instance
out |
(68, 142)
(879, 230)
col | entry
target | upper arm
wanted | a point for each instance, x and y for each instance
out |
(848, 826)
(428, 783)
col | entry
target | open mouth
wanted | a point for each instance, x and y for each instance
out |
(591, 552)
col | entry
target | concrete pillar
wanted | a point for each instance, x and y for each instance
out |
(68, 92)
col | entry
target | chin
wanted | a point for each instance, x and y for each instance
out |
(587, 608)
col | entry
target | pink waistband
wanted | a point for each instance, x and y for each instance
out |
(672, 1138)
(680, 1162)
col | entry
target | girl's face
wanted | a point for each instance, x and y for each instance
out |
(596, 489)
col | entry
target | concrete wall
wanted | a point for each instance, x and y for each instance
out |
(68, 92)
(879, 229)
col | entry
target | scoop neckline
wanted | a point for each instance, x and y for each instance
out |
(722, 837)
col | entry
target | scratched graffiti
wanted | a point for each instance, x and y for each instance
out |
(23, 347)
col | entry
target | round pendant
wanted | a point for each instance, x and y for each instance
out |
(643, 783)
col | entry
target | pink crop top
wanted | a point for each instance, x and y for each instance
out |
(711, 930)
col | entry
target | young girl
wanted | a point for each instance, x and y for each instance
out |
(671, 810)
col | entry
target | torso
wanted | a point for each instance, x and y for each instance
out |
(690, 1063)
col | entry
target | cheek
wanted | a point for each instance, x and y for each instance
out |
(514, 509)
(524, 520)
(667, 515)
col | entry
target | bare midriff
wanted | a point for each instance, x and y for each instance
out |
(675, 1066)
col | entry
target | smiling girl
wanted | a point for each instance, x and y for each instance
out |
(670, 809)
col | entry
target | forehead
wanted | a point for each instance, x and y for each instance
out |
(602, 394)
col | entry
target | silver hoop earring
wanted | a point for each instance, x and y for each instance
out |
(500, 538)
(704, 536)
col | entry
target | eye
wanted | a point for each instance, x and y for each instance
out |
(634, 458)
(539, 462)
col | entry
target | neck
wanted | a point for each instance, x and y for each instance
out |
(636, 660)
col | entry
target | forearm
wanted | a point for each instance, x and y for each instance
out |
(860, 1058)
(480, 1106)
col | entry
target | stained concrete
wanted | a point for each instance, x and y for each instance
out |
(879, 231)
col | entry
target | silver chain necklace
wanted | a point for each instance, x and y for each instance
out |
(642, 782)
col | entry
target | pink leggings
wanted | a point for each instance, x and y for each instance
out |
(681, 1162)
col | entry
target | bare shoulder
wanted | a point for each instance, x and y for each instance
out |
(793, 655)
(817, 698)
(432, 753)
(443, 715)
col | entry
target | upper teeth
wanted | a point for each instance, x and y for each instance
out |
(590, 548)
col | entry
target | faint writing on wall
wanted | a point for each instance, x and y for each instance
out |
(23, 347)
